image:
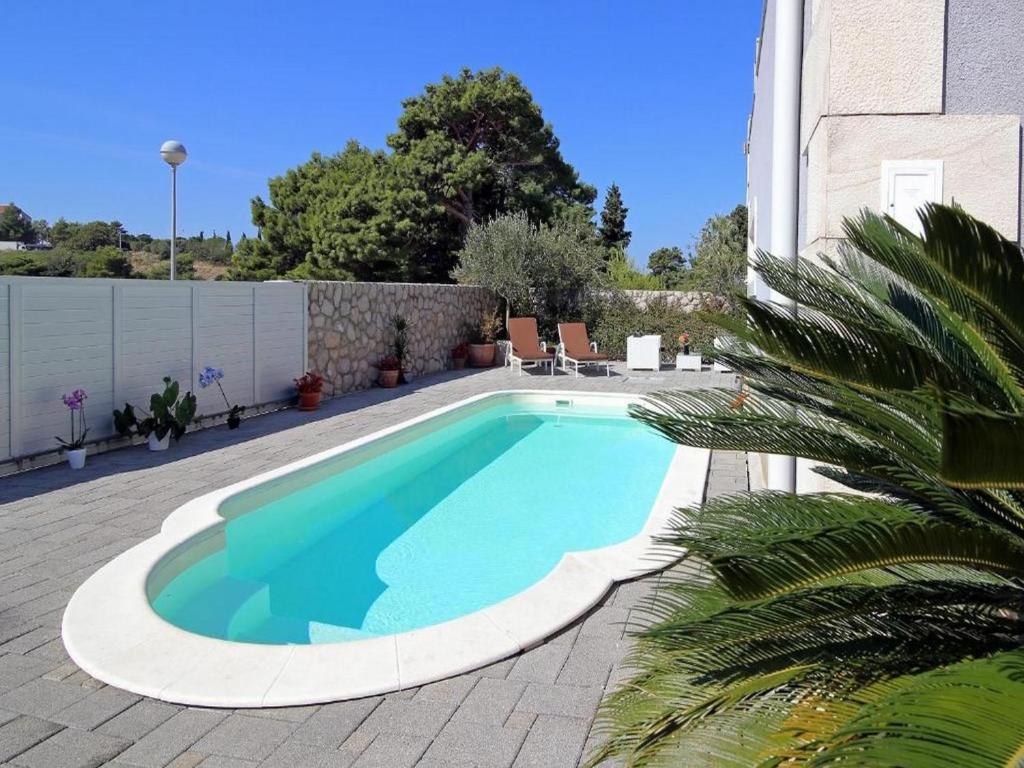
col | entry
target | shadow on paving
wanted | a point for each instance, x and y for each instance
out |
(36, 481)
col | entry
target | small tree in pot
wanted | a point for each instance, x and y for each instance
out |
(400, 346)
(483, 347)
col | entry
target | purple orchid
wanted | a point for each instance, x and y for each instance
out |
(75, 401)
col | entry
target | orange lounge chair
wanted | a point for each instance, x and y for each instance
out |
(575, 347)
(526, 344)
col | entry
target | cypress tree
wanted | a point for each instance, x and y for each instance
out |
(613, 220)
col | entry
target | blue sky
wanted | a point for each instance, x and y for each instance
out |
(651, 95)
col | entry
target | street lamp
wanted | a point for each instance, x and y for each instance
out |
(174, 154)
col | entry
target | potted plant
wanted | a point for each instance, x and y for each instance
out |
(75, 447)
(684, 342)
(483, 348)
(210, 375)
(459, 355)
(389, 367)
(168, 417)
(310, 386)
(400, 346)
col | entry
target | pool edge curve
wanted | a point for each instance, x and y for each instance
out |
(111, 631)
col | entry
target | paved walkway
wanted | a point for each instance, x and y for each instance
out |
(58, 527)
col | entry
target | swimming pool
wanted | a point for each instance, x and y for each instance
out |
(433, 547)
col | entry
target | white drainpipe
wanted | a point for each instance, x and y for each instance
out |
(789, 34)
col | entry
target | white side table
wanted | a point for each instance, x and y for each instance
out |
(643, 352)
(688, 362)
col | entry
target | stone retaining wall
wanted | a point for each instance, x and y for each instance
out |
(687, 301)
(351, 325)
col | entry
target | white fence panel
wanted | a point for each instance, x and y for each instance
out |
(280, 321)
(156, 340)
(5, 372)
(225, 340)
(117, 339)
(66, 335)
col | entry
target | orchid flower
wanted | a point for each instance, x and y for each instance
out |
(210, 375)
(75, 402)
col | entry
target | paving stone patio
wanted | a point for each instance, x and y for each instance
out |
(58, 527)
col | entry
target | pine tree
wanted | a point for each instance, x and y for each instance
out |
(613, 220)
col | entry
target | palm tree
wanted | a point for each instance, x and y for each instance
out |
(882, 625)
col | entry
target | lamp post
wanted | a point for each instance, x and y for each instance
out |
(174, 154)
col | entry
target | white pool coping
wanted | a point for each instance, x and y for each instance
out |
(112, 632)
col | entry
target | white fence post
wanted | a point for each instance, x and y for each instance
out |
(118, 342)
(256, 363)
(14, 331)
(195, 337)
(305, 327)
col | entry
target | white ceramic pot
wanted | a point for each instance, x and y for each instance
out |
(76, 458)
(159, 445)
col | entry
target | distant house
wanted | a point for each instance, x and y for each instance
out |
(13, 245)
(5, 206)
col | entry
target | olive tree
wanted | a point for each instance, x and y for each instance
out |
(546, 271)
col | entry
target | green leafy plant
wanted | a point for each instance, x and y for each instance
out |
(167, 414)
(490, 325)
(617, 315)
(400, 344)
(880, 625)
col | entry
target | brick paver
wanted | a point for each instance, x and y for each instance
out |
(58, 527)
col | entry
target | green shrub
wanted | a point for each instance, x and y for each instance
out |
(622, 274)
(22, 263)
(106, 262)
(549, 272)
(617, 316)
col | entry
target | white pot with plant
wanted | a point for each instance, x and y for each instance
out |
(169, 417)
(75, 447)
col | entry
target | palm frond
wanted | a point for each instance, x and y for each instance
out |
(965, 716)
(879, 627)
(981, 448)
(793, 562)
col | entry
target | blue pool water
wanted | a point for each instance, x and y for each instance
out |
(453, 520)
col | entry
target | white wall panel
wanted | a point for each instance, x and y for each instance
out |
(280, 319)
(117, 339)
(66, 344)
(5, 373)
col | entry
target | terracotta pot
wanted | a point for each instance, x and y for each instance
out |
(458, 363)
(388, 379)
(309, 401)
(482, 355)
